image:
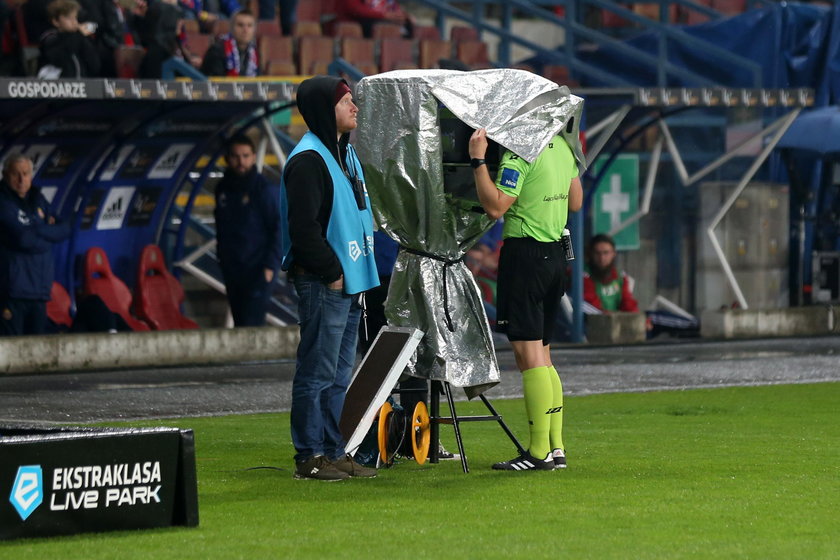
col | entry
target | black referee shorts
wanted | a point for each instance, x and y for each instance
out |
(530, 285)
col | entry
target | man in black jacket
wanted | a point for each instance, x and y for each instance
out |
(28, 232)
(247, 233)
(330, 260)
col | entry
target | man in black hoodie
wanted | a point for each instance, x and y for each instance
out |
(247, 234)
(330, 260)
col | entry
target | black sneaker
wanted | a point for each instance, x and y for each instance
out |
(559, 458)
(348, 465)
(526, 462)
(319, 468)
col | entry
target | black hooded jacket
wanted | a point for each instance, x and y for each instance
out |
(309, 187)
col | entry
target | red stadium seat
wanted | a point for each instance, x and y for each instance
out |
(473, 54)
(278, 50)
(127, 60)
(307, 28)
(425, 32)
(396, 54)
(315, 53)
(267, 27)
(360, 53)
(198, 43)
(463, 33)
(386, 30)
(58, 308)
(100, 280)
(432, 51)
(159, 294)
(345, 29)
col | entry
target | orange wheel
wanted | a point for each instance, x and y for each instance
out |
(386, 413)
(420, 433)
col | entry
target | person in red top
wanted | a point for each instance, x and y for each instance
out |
(605, 287)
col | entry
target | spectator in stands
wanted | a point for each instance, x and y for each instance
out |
(99, 17)
(67, 50)
(160, 29)
(604, 286)
(234, 54)
(369, 12)
(248, 234)
(331, 262)
(28, 231)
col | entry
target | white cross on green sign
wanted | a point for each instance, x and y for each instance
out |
(616, 199)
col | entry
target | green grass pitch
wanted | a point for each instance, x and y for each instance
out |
(719, 473)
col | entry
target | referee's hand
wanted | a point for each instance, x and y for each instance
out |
(478, 144)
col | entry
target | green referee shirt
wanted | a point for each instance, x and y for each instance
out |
(541, 190)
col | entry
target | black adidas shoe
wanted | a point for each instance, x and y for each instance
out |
(526, 462)
(559, 458)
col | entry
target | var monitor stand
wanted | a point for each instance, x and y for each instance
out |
(376, 378)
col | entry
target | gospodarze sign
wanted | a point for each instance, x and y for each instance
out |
(51, 89)
(61, 483)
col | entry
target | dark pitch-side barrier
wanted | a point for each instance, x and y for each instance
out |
(61, 481)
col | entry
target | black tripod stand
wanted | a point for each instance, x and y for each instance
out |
(435, 420)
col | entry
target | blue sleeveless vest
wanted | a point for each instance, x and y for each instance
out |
(350, 230)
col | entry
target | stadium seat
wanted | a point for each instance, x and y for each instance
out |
(220, 26)
(280, 68)
(127, 60)
(360, 53)
(730, 7)
(58, 308)
(386, 30)
(191, 26)
(432, 51)
(473, 54)
(307, 28)
(99, 279)
(345, 29)
(310, 10)
(266, 27)
(425, 32)
(315, 54)
(198, 43)
(396, 54)
(278, 50)
(463, 33)
(159, 294)
(560, 75)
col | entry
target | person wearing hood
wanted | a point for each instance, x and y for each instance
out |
(28, 231)
(329, 233)
(247, 234)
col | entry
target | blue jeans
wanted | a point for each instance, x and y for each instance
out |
(329, 324)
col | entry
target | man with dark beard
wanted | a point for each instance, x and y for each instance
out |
(604, 286)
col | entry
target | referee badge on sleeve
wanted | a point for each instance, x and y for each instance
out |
(510, 178)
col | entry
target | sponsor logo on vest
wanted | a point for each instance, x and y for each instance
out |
(27, 491)
(355, 251)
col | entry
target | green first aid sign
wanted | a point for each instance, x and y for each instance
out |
(617, 199)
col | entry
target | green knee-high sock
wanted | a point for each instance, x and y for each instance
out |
(536, 384)
(556, 434)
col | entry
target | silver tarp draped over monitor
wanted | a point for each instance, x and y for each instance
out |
(400, 144)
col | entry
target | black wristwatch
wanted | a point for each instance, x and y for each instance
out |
(475, 163)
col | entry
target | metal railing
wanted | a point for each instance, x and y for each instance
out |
(576, 32)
